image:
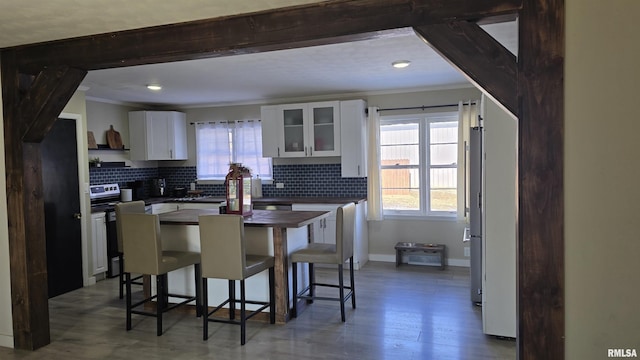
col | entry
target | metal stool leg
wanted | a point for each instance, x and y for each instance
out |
(121, 275)
(232, 299)
(353, 284)
(294, 275)
(128, 283)
(205, 310)
(160, 303)
(341, 286)
(243, 315)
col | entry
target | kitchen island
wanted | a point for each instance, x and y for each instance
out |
(276, 233)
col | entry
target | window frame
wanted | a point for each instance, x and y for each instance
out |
(424, 164)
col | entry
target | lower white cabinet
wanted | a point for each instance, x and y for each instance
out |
(163, 208)
(324, 231)
(190, 205)
(99, 242)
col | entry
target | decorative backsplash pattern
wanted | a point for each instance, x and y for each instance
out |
(314, 180)
(298, 180)
(120, 175)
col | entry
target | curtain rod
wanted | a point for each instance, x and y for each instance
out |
(424, 107)
(223, 121)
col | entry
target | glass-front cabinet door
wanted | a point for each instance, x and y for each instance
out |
(324, 128)
(293, 122)
(309, 129)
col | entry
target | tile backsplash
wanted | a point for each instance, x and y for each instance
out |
(298, 180)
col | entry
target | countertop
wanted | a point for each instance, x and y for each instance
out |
(308, 200)
(263, 200)
(259, 218)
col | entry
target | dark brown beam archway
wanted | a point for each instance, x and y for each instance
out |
(540, 104)
(315, 24)
(493, 69)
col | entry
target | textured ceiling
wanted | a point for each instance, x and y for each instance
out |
(31, 21)
(360, 67)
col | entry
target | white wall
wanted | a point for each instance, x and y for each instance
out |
(6, 319)
(602, 172)
(499, 221)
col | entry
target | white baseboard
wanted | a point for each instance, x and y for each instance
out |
(6, 341)
(459, 262)
(382, 257)
(89, 281)
(392, 258)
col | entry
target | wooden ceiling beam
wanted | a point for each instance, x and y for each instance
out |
(48, 95)
(483, 60)
(285, 28)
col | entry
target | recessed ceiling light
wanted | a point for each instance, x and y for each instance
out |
(154, 87)
(401, 64)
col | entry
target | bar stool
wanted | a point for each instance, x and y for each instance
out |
(143, 251)
(315, 253)
(222, 247)
(136, 207)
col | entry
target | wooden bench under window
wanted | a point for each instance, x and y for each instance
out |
(403, 247)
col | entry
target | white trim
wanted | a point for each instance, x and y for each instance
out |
(392, 259)
(6, 341)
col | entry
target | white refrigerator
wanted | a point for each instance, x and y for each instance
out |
(499, 221)
(475, 213)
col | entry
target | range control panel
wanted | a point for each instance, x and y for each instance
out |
(104, 191)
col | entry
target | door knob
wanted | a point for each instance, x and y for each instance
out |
(77, 216)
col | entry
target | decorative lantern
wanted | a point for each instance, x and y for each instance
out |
(238, 183)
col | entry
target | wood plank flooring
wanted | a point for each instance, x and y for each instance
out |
(410, 313)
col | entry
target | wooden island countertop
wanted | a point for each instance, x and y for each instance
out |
(259, 218)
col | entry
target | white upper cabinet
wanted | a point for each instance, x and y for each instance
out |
(353, 123)
(301, 130)
(158, 135)
(270, 131)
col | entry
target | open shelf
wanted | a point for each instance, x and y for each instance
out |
(106, 147)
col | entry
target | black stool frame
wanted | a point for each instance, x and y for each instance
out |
(232, 301)
(312, 284)
(161, 297)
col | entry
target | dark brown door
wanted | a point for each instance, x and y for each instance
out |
(62, 208)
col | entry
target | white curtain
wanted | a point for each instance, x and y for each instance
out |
(467, 118)
(247, 148)
(212, 148)
(374, 186)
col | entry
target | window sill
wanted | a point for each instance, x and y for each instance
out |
(421, 217)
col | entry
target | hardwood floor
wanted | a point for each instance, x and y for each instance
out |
(409, 312)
